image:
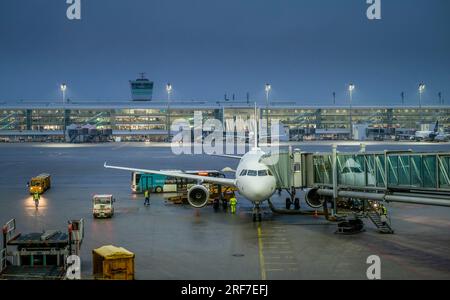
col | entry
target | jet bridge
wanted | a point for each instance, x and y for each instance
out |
(393, 176)
(365, 178)
(389, 172)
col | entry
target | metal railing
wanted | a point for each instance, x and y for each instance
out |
(2, 260)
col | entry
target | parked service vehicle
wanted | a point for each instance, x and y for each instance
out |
(379, 138)
(39, 184)
(103, 206)
(156, 183)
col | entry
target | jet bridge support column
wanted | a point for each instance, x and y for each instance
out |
(335, 189)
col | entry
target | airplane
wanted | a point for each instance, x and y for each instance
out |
(442, 137)
(427, 135)
(352, 174)
(253, 179)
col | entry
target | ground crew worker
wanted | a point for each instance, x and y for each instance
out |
(147, 197)
(228, 195)
(233, 203)
(384, 213)
(36, 198)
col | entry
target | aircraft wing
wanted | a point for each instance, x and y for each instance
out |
(227, 156)
(216, 180)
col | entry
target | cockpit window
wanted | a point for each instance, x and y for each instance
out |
(256, 173)
(252, 173)
(262, 173)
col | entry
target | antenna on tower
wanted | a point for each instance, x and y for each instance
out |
(142, 75)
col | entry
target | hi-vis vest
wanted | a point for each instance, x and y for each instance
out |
(233, 201)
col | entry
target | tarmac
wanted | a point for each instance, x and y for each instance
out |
(179, 242)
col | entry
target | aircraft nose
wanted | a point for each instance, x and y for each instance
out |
(257, 188)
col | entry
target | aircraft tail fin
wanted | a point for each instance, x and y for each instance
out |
(436, 127)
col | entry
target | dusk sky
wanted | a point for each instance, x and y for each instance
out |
(305, 48)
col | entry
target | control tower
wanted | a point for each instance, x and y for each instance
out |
(141, 89)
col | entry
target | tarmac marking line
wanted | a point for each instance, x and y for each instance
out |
(277, 247)
(281, 263)
(274, 235)
(277, 243)
(285, 257)
(261, 255)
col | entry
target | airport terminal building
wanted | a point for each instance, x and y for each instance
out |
(148, 120)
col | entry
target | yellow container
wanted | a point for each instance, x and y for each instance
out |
(113, 263)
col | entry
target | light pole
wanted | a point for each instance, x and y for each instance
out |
(402, 94)
(421, 90)
(267, 89)
(63, 88)
(169, 91)
(351, 87)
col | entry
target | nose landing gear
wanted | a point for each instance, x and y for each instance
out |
(257, 216)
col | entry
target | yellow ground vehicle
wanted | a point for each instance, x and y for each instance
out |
(112, 262)
(39, 184)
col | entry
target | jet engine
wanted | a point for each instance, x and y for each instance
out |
(313, 199)
(198, 196)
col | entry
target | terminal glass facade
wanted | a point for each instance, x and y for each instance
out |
(47, 119)
(139, 119)
(305, 121)
(13, 119)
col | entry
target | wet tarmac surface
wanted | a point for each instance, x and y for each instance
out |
(179, 242)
